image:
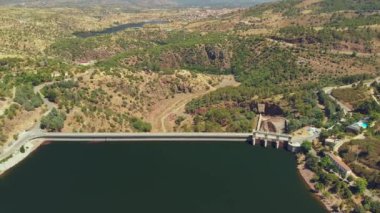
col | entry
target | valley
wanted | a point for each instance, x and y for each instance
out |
(307, 68)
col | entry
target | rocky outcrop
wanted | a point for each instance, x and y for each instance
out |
(200, 56)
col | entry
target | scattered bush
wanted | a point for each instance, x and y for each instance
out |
(54, 121)
(140, 125)
(26, 97)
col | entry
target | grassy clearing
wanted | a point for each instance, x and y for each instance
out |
(363, 157)
(353, 96)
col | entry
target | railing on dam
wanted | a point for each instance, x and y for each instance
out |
(166, 137)
(125, 137)
(150, 137)
(270, 136)
(240, 137)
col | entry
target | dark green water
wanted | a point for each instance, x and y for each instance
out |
(117, 28)
(155, 177)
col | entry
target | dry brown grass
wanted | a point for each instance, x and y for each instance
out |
(21, 122)
(352, 96)
(146, 95)
(307, 3)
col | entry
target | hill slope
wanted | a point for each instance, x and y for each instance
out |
(134, 3)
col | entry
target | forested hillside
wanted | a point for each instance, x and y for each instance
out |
(82, 66)
(280, 53)
(135, 3)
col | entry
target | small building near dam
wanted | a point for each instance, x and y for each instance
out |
(294, 146)
(344, 170)
(357, 127)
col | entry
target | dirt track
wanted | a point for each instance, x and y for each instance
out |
(159, 117)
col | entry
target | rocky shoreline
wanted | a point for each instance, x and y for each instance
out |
(19, 156)
(307, 176)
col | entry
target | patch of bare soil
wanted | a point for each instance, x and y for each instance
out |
(150, 96)
(163, 114)
(307, 3)
(21, 122)
(350, 47)
(273, 124)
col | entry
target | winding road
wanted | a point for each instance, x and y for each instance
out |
(345, 108)
(35, 131)
(8, 102)
(160, 121)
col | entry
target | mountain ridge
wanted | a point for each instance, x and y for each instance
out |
(135, 3)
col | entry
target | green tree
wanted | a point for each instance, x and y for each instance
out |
(312, 163)
(319, 186)
(326, 163)
(328, 179)
(140, 125)
(360, 185)
(26, 97)
(341, 189)
(324, 135)
(306, 146)
(54, 121)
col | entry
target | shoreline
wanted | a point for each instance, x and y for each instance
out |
(15, 158)
(306, 175)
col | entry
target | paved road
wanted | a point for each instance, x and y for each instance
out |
(259, 122)
(343, 141)
(8, 102)
(25, 136)
(126, 137)
(374, 97)
(345, 108)
(328, 91)
(314, 134)
(121, 137)
(271, 136)
(35, 131)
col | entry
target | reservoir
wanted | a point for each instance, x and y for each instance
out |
(117, 28)
(156, 177)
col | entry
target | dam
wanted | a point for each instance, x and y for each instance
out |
(254, 138)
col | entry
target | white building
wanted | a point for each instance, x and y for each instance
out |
(344, 170)
(294, 146)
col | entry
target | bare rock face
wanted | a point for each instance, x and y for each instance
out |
(211, 53)
(215, 54)
(205, 56)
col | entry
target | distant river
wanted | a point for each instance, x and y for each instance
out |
(117, 28)
(154, 178)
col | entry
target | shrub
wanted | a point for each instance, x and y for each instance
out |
(54, 121)
(26, 97)
(140, 125)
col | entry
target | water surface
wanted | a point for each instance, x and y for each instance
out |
(117, 28)
(156, 177)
